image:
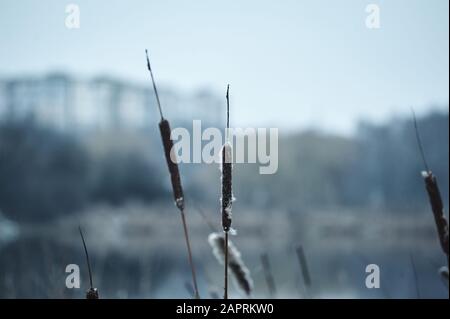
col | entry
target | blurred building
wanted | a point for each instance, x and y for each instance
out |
(103, 103)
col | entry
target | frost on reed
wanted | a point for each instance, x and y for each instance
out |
(92, 293)
(177, 190)
(240, 273)
(434, 195)
(226, 168)
(227, 191)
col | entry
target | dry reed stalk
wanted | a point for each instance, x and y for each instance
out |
(241, 274)
(268, 275)
(175, 179)
(304, 267)
(434, 195)
(227, 191)
(92, 293)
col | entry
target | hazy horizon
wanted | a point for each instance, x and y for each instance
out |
(286, 69)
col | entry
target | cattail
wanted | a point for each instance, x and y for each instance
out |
(303, 266)
(268, 274)
(438, 209)
(434, 195)
(92, 293)
(227, 190)
(240, 273)
(170, 155)
(164, 128)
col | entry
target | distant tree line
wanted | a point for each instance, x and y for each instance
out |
(44, 173)
(380, 167)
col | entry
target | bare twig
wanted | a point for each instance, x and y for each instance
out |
(419, 141)
(154, 85)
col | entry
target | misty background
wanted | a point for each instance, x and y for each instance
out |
(79, 144)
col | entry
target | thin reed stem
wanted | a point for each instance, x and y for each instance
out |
(225, 294)
(92, 293)
(154, 85)
(415, 276)
(419, 141)
(191, 263)
(228, 112)
(87, 256)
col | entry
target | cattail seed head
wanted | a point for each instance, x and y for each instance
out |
(227, 191)
(437, 208)
(175, 179)
(241, 274)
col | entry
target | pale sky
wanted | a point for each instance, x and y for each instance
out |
(293, 64)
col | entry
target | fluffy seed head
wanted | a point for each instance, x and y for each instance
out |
(240, 273)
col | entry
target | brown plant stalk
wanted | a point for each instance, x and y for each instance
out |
(175, 179)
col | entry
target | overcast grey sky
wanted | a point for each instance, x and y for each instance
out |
(293, 63)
